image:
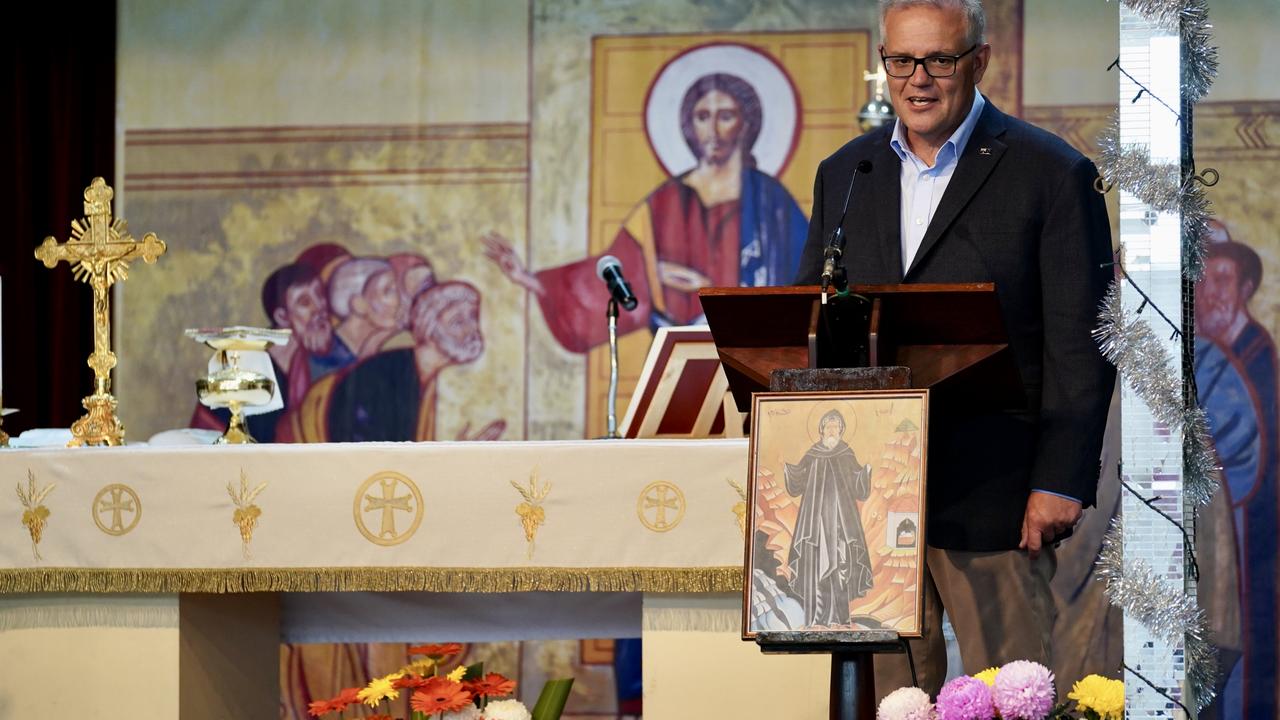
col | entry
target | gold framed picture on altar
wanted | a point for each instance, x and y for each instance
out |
(835, 529)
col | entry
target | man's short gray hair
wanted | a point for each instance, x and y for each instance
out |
(975, 17)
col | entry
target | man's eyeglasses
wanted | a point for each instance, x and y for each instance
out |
(939, 66)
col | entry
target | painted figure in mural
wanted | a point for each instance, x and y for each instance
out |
(1236, 379)
(295, 297)
(364, 296)
(829, 560)
(723, 223)
(371, 297)
(368, 402)
(339, 379)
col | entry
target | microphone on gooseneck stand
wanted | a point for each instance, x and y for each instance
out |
(835, 246)
(609, 269)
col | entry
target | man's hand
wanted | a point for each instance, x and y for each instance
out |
(1047, 517)
(500, 253)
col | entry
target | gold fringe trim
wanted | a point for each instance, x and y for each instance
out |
(381, 579)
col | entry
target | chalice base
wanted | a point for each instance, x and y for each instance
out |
(237, 431)
(99, 426)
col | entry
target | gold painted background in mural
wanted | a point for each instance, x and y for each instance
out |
(242, 202)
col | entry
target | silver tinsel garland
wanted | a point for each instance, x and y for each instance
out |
(1164, 610)
(1161, 187)
(1128, 341)
(1130, 344)
(1190, 19)
(1201, 474)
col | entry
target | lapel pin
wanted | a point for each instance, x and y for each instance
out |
(984, 151)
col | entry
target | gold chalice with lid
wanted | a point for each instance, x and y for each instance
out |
(232, 386)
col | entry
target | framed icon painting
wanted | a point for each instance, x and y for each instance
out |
(835, 534)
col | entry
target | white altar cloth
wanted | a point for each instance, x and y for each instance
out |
(626, 516)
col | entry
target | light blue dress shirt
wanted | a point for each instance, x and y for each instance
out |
(923, 186)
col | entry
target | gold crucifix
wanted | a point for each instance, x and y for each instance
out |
(100, 255)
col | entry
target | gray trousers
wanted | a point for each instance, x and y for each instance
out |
(1000, 605)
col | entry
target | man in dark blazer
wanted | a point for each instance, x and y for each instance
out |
(957, 191)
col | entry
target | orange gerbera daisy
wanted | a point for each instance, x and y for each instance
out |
(436, 651)
(345, 698)
(491, 685)
(440, 695)
(319, 707)
(410, 681)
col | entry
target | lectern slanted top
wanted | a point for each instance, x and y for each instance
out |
(951, 336)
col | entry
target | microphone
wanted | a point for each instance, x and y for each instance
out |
(609, 269)
(835, 247)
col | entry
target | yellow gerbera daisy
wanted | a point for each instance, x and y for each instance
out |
(421, 667)
(379, 689)
(457, 673)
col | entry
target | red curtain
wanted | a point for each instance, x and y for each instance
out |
(57, 135)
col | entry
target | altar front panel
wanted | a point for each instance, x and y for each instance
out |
(647, 516)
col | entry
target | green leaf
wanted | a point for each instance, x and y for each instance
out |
(474, 672)
(552, 699)
(1060, 712)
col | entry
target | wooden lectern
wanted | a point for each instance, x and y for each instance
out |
(950, 339)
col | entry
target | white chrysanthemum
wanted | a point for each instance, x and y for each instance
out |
(506, 710)
(470, 712)
(908, 703)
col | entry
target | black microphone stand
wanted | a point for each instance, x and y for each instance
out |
(833, 266)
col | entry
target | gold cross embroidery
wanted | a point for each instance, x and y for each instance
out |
(115, 506)
(388, 504)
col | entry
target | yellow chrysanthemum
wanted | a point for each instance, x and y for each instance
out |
(988, 676)
(1101, 695)
(379, 689)
(458, 672)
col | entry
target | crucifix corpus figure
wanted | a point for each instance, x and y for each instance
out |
(99, 254)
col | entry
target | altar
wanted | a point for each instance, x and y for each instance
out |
(177, 572)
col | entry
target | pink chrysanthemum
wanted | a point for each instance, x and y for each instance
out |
(908, 703)
(1023, 691)
(965, 698)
